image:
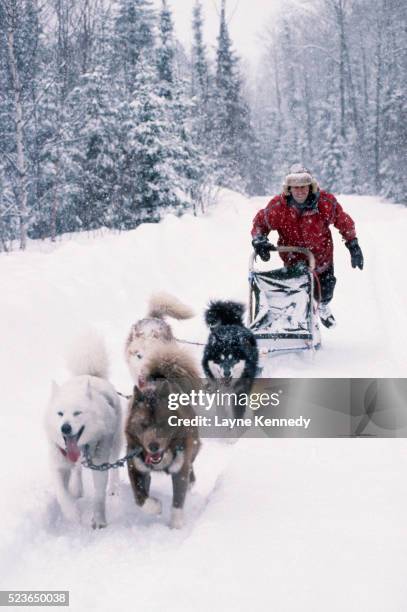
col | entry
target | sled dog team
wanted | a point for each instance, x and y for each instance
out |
(84, 419)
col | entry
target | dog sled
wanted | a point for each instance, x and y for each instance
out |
(282, 307)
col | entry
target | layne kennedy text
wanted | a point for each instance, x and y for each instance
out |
(233, 423)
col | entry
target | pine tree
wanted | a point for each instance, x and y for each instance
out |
(235, 136)
(134, 39)
(150, 152)
(227, 108)
(182, 153)
(203, 110)
(332, 160)
(166, 52)
(92, 149)
(200, 69)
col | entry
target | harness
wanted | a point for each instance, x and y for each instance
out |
(87, 461)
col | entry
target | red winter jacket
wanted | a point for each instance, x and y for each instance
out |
(308, 228)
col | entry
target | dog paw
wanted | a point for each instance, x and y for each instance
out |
(98, 524)
(98, 519)
(152, 506)
(177, 518)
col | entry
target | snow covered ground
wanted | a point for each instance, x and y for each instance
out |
(294, 524)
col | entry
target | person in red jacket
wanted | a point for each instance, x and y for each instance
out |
(302, 215)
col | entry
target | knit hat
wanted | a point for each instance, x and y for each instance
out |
(299, 176)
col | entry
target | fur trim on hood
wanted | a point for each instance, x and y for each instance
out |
(297, 177)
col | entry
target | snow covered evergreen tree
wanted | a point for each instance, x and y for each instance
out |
(151, 152)
(200, 68)
(233, 130)
(92, 150)
(166, 52)
(202, 84)
(330, 166)
(182, 153)
(226, 109)
(134, 39)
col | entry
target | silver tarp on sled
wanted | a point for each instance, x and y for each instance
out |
(282, 308)
(282, 305)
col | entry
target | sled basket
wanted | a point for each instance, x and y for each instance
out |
(282, 306)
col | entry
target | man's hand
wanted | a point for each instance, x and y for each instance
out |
(356, 254)
(263, 247)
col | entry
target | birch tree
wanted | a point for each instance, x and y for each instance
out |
(11, 18)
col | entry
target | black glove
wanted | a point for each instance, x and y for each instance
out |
(356, 254)
(263, 247)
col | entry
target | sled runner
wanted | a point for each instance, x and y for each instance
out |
(282, 308)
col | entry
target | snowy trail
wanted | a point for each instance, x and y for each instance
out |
(296, 524)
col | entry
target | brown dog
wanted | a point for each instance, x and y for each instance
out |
(165, 438)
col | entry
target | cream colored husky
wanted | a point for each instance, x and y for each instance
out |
(148, 334)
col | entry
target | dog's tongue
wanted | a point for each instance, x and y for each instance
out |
(72, 449)
(152, 458)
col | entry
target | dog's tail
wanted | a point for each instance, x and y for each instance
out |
(164, 304)
(88, 355)
(224, 313)
(172, 363)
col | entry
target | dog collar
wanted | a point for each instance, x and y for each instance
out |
(178, 449)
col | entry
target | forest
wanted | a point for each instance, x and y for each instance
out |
(108, 121)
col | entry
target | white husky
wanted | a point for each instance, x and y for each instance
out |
(85, 411)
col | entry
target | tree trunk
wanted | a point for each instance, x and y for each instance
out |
(308, 114)
(18, 118)
(379, 85)
(55, 199)
(339, 11)
(352, 93)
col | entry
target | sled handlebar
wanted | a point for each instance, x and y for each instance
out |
(288, 249)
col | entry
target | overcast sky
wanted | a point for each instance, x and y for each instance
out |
(246, 19)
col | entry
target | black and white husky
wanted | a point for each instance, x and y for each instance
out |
(230, 354)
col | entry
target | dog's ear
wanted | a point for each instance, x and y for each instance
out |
(54, 388)
(249, 342)
(179, 388)
(164, 388)
(137, 394)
